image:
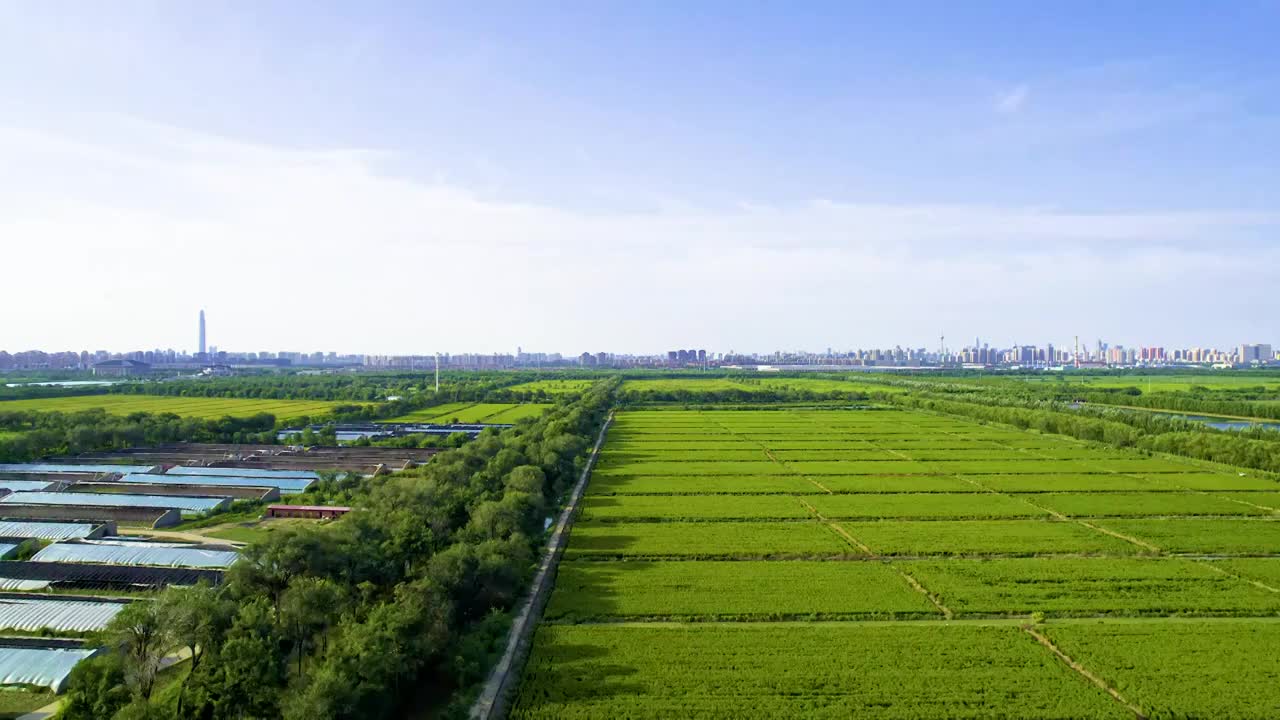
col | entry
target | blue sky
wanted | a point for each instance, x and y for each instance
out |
(638, 176)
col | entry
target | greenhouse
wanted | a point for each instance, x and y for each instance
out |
(243, 472)
(187, 505)
(286, 485)
(46, 667)
(141, 553)
(73, 468)
(69, 615)
(46, 530)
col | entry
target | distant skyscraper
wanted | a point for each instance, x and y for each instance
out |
(202, 345)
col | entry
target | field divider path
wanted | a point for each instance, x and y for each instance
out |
(495, 697)
(1256, 583)
(1084, 671)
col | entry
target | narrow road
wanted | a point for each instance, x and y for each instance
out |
(496, 695)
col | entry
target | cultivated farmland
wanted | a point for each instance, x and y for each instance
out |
(194, 407)
(467, 412)
(787, 563)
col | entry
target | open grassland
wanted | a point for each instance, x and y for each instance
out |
(195, 407)
(748, 384)
(465, 412)
(553, 387)
(1156, 383)
(789, 563)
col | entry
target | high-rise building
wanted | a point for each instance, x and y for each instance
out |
(202, 345)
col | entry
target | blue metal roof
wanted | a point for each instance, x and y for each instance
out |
(140, 553)
(44, 530)
(47, 667)
(243, 472)
(287, 485)
(188, 505)
(74, 614)
(25, 485)
(73, 468)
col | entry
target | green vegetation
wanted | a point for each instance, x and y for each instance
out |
(746, 589)
(16, 702)
(349, 618)
(194, 407)
(771, 670)
(1205, 669)
(472, 413)
(782, 561)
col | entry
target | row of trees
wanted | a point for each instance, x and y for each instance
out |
(40, 434)
(350, 619)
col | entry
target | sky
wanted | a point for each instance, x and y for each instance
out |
(418, 177)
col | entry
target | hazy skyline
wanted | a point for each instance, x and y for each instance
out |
(602, 176)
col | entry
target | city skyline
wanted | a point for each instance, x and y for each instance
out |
(625, 178)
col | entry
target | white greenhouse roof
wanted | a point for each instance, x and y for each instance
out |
(34, 614)
(243, 472)
(25, 485)
(18, 584)
(287, 485)
(6, 549)
(45, 530)
(189, 557)
(187, 505)
(47, 667)
(73, 468)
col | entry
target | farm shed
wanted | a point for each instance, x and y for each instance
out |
(25, 485)
(139, 553)
(54, 612)
(43, 666)
(52, 530)
(153, 516)
(92, 575)
(185, 505)
(74, 468)
(286, 485)
(261, 474)
(314, 512)
(239, 492)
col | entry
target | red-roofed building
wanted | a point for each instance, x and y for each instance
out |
(311, 512)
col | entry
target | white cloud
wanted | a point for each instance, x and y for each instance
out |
(1013, 100)
(115, 241)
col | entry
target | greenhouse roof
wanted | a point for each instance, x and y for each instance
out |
(189, 557)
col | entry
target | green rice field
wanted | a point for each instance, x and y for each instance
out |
(553, 387)
(881, 563)
(195, 407)
(465, 412)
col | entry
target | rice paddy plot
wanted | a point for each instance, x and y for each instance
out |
(609, 467)
(757, 671)
(1212, 482)
(811, 454)
(985, 537)
(922, 505)
(1261, 570)
(707, 540)
(431, 414)
(747, 453)
(1137, 504)
(893, 484)
(194, 407)
(739, 589)
(1231, 536)
(517, 413)
(867, 467)
(699, 485)
(693, 508)
(1098, 482)
(1066, 586)
(1207, 669)
(1269, 500)
(553, 387)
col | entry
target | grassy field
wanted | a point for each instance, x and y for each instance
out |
(553, 387)
(196, 407)
(792, 563)
(465, 412)
(1156, 383)
(748, 384)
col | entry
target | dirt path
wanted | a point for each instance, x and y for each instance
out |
(183, 535)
